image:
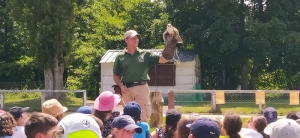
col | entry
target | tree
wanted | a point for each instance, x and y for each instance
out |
(15, 60)
(50, 27)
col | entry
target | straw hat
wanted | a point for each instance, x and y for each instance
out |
(53, 107)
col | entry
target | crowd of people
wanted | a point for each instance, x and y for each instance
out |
(102, 121)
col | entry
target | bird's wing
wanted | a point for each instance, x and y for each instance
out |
(177, 36)
(164, 35)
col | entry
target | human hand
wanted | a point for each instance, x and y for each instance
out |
(122, 102)
(123, 89)
(247, 122)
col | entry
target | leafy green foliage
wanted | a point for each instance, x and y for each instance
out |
(269, 43)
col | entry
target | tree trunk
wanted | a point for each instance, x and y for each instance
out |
(244, 75)
(242, 48)
(254, 75)
(49, 85)
(54, 79)
(58, 75)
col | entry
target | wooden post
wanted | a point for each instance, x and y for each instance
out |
(213, 102)
(171, 102)
(157, 103)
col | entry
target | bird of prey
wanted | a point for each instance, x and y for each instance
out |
(173, 32)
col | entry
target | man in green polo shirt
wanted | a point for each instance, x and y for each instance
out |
(131, 72)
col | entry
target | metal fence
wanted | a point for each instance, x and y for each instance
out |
(240, 101)
(35, 98)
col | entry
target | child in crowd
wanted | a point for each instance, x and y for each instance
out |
(232, 125)
(182, 131)
(104, 109)
(78, 125)
(7, 124)
(168, 131)
(204, 127)
(85, 110)
(20, 115)
(40, 125)
(270, 114)
(283, 128)
(54, 108)
(134, 110)
(124, 127)
(254, 128)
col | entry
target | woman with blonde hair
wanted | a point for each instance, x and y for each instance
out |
(254, 127)
(7, 124)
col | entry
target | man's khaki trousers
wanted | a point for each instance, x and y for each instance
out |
(140, 94)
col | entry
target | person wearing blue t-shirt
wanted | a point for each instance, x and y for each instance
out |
(133, 109)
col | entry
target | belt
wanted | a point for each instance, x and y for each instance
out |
(132, 84)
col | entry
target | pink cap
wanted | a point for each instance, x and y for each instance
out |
(106, 101)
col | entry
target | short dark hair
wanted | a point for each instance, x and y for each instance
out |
(39, 123)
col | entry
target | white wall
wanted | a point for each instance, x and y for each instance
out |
(107, 76)
(185, 77)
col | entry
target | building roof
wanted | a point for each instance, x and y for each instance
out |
(184, 55)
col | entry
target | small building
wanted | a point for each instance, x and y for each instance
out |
(172, 75)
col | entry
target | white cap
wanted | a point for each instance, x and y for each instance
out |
(80, 125)
(283, 128)
(130, 34)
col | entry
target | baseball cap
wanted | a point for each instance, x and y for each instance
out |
(204, 127)
(126, 122)
(172, 117)
(106, 101)
(293, 115)
(133, 109)
(78, 125)
(283, 128)
(85, 110)
(16, 111)
(270, 114)
(130, 34)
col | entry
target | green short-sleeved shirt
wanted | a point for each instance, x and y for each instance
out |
(134, 68)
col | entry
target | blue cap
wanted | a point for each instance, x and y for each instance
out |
(270, 114)
(204, 127)
(85, 110)
(125, 122)
(133, 109)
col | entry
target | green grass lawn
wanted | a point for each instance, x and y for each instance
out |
(187, 103)
(245, 106)
(240, 108)
(33, 100)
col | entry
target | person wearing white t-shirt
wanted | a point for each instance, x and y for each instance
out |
(254, 128)
(20, 115)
